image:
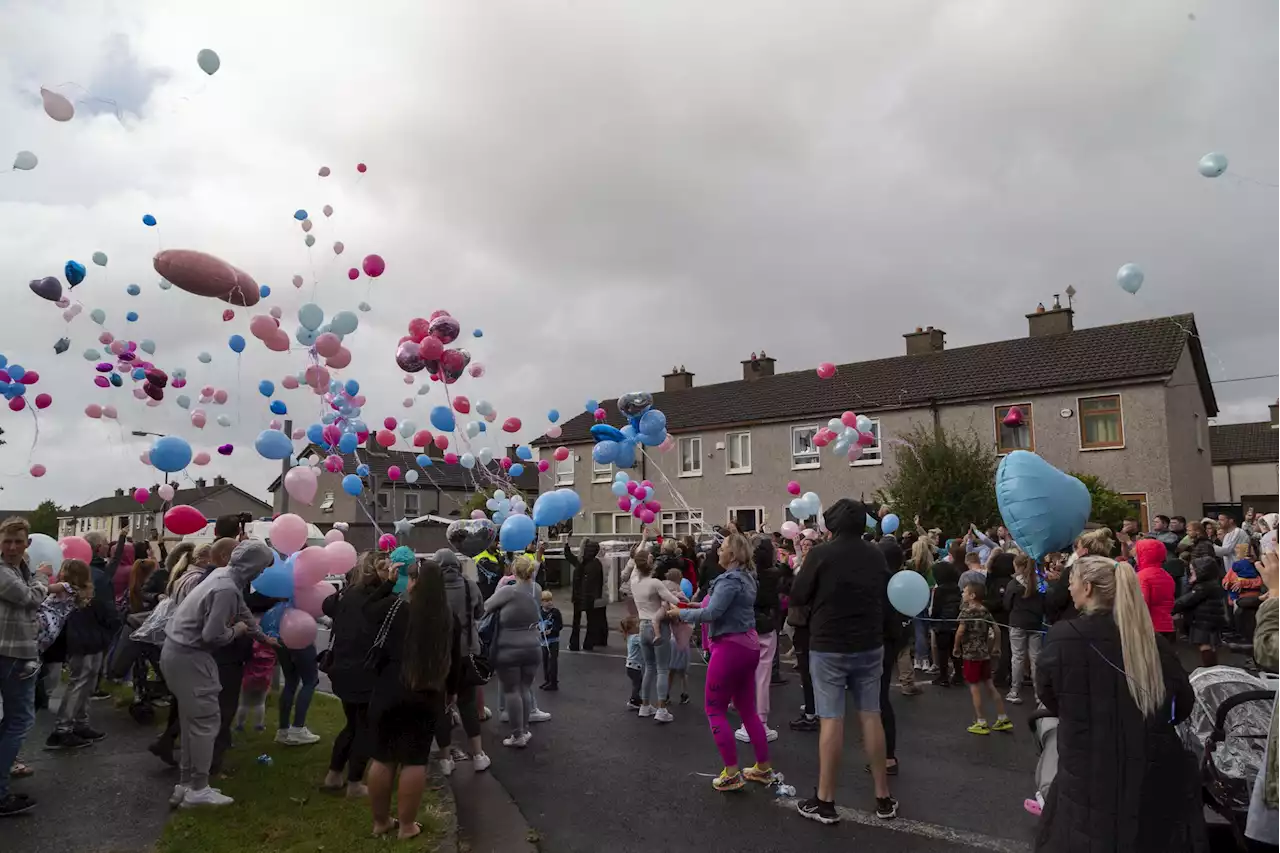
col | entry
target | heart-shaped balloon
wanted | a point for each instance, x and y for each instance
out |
(470, 536)
(226, 449)
(453, 364)
(635, 404)
(47, 288)
(444, 329)
(1043, 508)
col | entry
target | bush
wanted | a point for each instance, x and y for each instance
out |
(1109, 509)
(947, 479)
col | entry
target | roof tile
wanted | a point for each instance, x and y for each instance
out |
(1239, 443)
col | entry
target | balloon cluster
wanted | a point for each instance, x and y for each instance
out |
(424, 348)
(14, 382)
(298, 574)
(551, 508)
(848, 434)
(504, 507)
(635, 497)
(648, 426)
(804, 507)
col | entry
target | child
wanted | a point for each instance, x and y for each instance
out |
(1205, 606)
(88, 632)
(974, 571)
(630, 627)
(977, 638)
(552, 625)
(255, 685)
(681, 635)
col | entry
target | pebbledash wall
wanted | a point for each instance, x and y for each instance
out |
(1163, 465)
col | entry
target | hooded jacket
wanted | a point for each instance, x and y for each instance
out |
(767, 580)
(1158, 587)
(1206, 603)
(205, 617)
(456, 585)
(588, 579)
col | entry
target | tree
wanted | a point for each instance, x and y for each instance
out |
(479, 498)
(947, 479)
(44, 519)
(1109, 509)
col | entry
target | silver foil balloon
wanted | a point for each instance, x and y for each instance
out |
(635, 404)
(445, 329)
(409, 358)
(470, 536)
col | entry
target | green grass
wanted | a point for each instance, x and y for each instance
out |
(279, 808)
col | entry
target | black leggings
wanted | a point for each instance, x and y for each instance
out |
(806, 678)
(945, 640)
(351, 746)
(468, 711)
(886, 708)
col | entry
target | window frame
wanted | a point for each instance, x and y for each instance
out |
(378, 501)
(1029, 411)
(594, 527)
(668, 517)
(878, 459)
(560, 478)
(759, 511)
(816, 461)
(1144, 510)
(326, 503)
(417, 503)
(1080, 418)
(601, 475)
(697, 457)
(728, 453)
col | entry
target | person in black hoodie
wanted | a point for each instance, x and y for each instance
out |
(999, 573)
(1024, 604)
(89, 630)
(767, 606)
(1205, 606)
(103, 565)
(588, 584)
(944, 610)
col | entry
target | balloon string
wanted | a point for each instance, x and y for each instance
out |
(680, 500)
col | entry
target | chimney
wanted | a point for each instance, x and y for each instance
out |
(925, 341)
(200, 483)
(119, 493)
(1057, 320)
(219, 481)
(1275, 420)
(677, 380)
(757, 367)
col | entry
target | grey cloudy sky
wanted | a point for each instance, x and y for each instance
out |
(610, 188)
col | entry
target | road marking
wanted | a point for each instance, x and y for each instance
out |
(934, 831)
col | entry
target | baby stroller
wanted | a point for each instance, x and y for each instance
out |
(1227, 732)
(141, 661)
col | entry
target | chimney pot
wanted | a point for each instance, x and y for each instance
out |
(677, 380)
(924, 341)
(757, 367)
(919, 329)
(119, 493)
(1054, 321)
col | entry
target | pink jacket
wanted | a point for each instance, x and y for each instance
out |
(1158, 587)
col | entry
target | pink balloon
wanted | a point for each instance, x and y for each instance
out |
(342, 556)
(200, 458)
(206, 391)
(624, 504)
(555, 431)
(152, 403)
(334, 535)
(358, 400)
(93, 410)
(38, 470)
(407, 402)
(109, 412)
(339, 359)
(451, 458)
(145, 457)
(298, 435)
(599, 414)
(311, 598)
(317, 377)
(866, 439)
(561, 454)
(393, 473)
(855, 452)
(118, 347)
(543, 466)
(17, 404)
(301, 483)
(290, 382)
(373, 265)
(309, 566)
(63, 302)
(389, 423)
(288, 533)
(441, 441)
(506, 463)
(328, 344)
(478, 513)
(278, 341)
(106, 338)
(75, 548)
(141, 495)
(421, 438)
(297, 628)
(386, 542)
(849, 419)
(338, 247)
(297, 281)
(219, 396)
(198, 420)
(43, 401)
(647, 516)
(275, 424)
(165, 492)
(793, 488)
(205, 275)
(386, 437)
(102, 381)
(826, 370)
(431, 349)
(353, 273)
(407, 379)
(667, 443)
(262, 325)
(333, 464)
(511, 425)
(137, 392)
(461, 404)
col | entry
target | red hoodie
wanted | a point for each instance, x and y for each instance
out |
(1158, 588)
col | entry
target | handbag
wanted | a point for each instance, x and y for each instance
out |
(476, 669)
(373, 659)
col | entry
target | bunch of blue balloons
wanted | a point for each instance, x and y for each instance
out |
(806, 506)
(648, 427)
(504, 507)
(554, 507)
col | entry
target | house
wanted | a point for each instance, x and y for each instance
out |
(114, 514)
(1129, 403)
(441, 490)
(1246, 463)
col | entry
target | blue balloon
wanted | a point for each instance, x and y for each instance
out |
(4, 360)
(517, 532)
(352, 485)
(299, 214)
(116, 380)
(306, 337)
(16, 372)
(605, 452)
(591, 405)
(138, 373)
(908, 592)
(344, 323)
(524, 452)
(348, 443)
(264, 291)
(170, 454)
(266, 387)
(353, 387)
(483, 426)
(516, 469)
(626, 455)
(686, 588)
(619, 488)
(653, 422)
(279, 408)
(74, 271)
(888, 524)
(315, 434)
(311, 316)
(1043, 508)
(478, 333)
(424, 460)
(553, 415)
(362, 470)
(275, 582)
(131, 317)
(273, 444)
(604, 432)
(133, 290)
(236, 343)
(148, 220)
(442, 419)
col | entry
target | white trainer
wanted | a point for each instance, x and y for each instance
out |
(647, 710)
(446, 766)
(480, 761)
(302, 736)
(539, 716)
(205, 797)
(175, 799)
(663, 716)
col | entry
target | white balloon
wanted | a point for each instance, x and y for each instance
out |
(224, 420)
(411, 477)
(1212, 165)
(484, 456)
(25, 161)
(56, 106)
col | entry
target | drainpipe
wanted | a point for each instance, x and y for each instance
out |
(1231, 491)
(937, 416)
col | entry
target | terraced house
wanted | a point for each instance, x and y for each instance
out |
(1129, 403)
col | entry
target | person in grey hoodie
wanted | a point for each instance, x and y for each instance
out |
(468, 608)
(211, 616)
(518, 647)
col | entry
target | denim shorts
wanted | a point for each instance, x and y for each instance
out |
(857, 672)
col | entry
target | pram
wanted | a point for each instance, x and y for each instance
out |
(141, 661)
(1227, 732)
(1045, 728)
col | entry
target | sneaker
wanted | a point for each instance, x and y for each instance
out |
(1002, 724)
(456, 755)
(539, 716)
(302, 736)
(725, 782)
(819, 810)
(551, 688)
(89, 734)
(15, 804)
(647, 710)
(446, 766)
(516, 741)
(502, 717)
(684, 698)
(932, 670)
(886, 808)
(205, 797)
(633, 704)
(663, 716)
(66, 740)
(1013, 698)
(805, 723)
(480, 761)
(941, 682)
(979, 728)
(769, 734)
(283, 736)
(756, 773)
(176, 798)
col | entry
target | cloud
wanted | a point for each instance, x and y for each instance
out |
(609, 188)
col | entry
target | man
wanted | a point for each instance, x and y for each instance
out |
(1161, 530)
(21, 593)
(1231, 537)
(585, 589)
(842, 587)
(103, 574)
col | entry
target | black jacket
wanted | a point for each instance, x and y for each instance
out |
(1175, 567)
(90, 629)
(353, 636)
(1205, 605)
(843, 586)
(892, 553)
(1058, 604)
(588, 581)
(1025, 612)
(946, 593)
(1202, 547)
(998, 577)
(767, 604)
(103, 588)
(709, 570)
(1124, 783)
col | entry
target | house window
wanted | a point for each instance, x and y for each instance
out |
(1017, 437)
(601, 473)
(691, 457)
(623, 523)
(749, 519)
(681, 522)
(564, 471)
(872, 455)
(1137, 508)
(384, 501)
(804, 453)
(1101, 422)
(738, 454)
(602, 522)
(412, 502)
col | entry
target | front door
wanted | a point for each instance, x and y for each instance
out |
(748, 519)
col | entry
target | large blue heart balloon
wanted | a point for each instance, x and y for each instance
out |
(1043, 508)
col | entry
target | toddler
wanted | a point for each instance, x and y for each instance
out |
(255, 686)
(630, 628)
(977, 639)
(552, 625)
(681, 635)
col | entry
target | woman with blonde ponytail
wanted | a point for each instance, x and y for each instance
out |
(1124, 781)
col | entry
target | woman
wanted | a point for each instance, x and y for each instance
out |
(1059, 604)
(301, 675)
(412, 679)
(467, 607)
(729, 614)
(943, 611)
(708, 571)
(352, 634)
(1124, 781)
(588, 586)
(922, 563)
(518, 650)
(767, 605)
(140, 600)
(798, 619)
(1000, 572)
(1024, 603)
(649, 593)
(1159, 589)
